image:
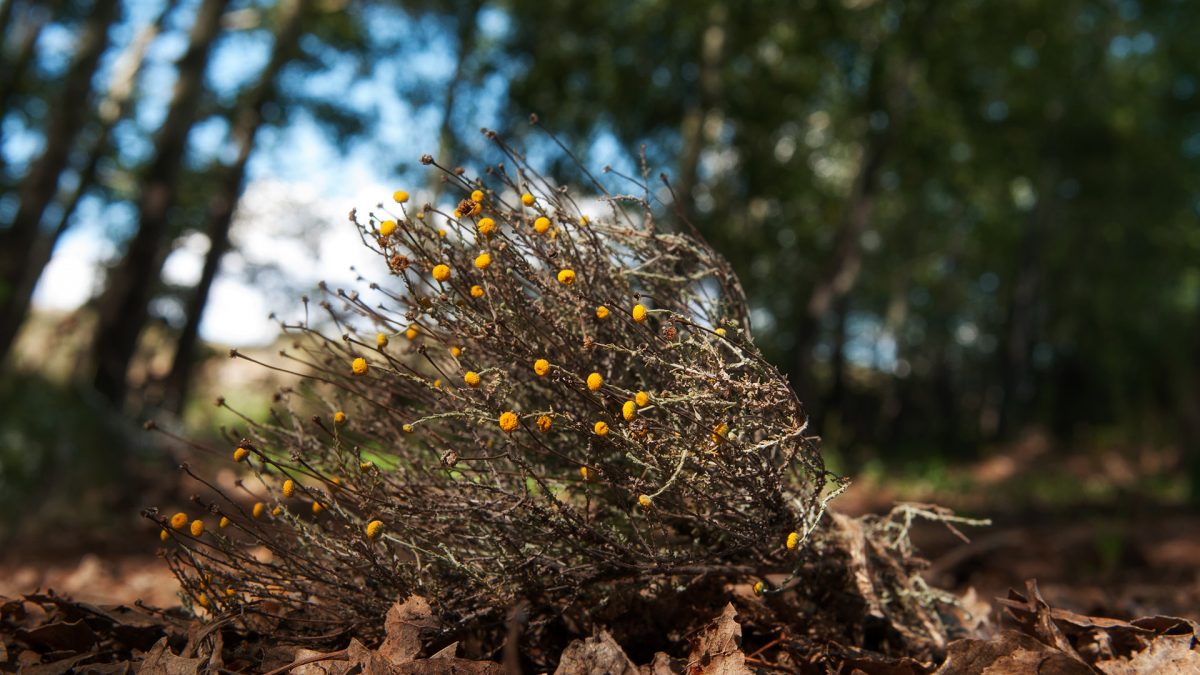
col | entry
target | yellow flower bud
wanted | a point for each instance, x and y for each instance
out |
(197, 528)
(179, 520)
(400, 196)
(544, 423)
(483, 260)
(339, 418)
(601, 312)
(289, 487)
(793, 540)
(527, 199)
(639, 313)
(359, 366)
(601, 429)
(541, 224)
(471, 378)
(629, 410)
(642, 399)
(386, 228)
(541, 367)
(509, 422)
(566, 277)
(240, 454)
(374, 529)
(441, 272)
(594, 381)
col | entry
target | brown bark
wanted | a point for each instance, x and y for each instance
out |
(112, 109)
(38, 188)
(693, 128)
(222, 205)
(466, 18)
(122, 307)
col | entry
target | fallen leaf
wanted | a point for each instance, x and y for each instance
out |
(72, 636)
(661, 665)
(1164, 655)
(717, 650)
(597, 655)
(160, 660)
(1010, 652)
(403, 627)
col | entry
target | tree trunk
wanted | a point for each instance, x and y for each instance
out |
(112, 110)
(223, 204)
(123, 306)
(1016, 354)
(70, 114)
(695, 136)
(14, 70)
(466, 18)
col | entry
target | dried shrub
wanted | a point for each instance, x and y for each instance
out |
(545, 405)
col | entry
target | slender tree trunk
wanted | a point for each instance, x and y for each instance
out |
(466, 18)
(1016, 354)
(38, 188)
(123, 306)
(223, 204)
(6, 12)
(15, 69)
(692, 130)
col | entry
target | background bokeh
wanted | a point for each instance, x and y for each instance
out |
(969, 230)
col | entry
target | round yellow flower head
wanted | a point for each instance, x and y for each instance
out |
(639, 313)
(642, 399)
(527, 199)
(477, 196)
(179, 520)
(411, 333)
(483, 260)
(645, 501)
(240, 454)
(583, 472)
(386, 228)
(486, 226)
(407, 428)
(601, 429)
(455, 351)
(508, 422)
(441, 232)
(359, 366)
(289, 487)
(566, 277)
(164, 535)
(544, 423)
(318, 507)
(197, 528)
(719, 432)
(400, 196)
(759, 588)
(437, 383)
(471, 378)
(629, 410)
(720, 332)
(339, 418)
(594, 381)
(381, 340)
(229, 592)
(258, 510)
(364, 467)
(541, 224)
(223, 523)
(477, 291)
(441, 272)
(374, 529)
(793, 540)
(541, 367)
(202, 600)
(601, 312)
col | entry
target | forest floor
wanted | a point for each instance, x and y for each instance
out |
(1125, 557)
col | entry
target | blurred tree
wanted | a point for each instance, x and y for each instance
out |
(123, 306)
(248, 118)
(37, 189)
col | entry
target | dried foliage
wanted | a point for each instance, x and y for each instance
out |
(549, 402)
